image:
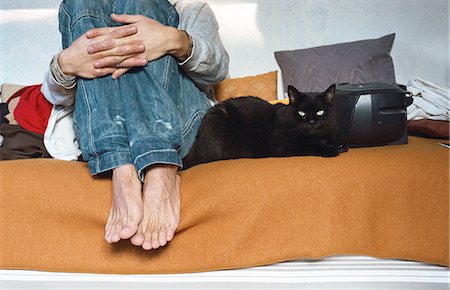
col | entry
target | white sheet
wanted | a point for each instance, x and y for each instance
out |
(343, 272)
(431, 101)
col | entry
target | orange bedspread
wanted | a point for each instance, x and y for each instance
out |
(387, 202)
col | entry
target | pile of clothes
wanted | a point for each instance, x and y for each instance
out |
(428, 115)
(24, 117)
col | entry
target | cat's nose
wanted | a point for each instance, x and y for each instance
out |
(312, 121)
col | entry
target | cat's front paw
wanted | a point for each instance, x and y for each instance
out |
(329, 151)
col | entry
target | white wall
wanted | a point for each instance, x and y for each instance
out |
(421, 26)
(253, 29)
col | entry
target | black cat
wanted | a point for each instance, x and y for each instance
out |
(249, 127)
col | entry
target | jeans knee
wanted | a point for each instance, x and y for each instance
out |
(74, 6)
(75, 9)
(70, 7)
(161, 11)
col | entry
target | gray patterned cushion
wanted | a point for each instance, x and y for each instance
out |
(314, 69)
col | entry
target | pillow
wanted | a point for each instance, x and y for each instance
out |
(284, 101)
(429, 128)
(262, 85)
(7, 91)
(314, 69)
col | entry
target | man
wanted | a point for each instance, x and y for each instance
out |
(142, 72)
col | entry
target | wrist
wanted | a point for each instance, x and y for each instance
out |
(64, 64)
(59, 77)
(182, 45)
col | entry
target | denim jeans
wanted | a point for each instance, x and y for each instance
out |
(149, 115)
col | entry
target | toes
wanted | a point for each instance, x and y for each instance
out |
(162, 238)
(108, 226)
(126, 210)
(112, 228)
(108, 237)
(128, 231)
(161, 202)
(108, 233)
(171, 232)
(169, 235)
(155, 240)
(113, 232)
(147, 245)
(134, 217)
(138, 239)
(115, 237)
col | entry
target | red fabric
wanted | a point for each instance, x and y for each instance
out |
(33, 110)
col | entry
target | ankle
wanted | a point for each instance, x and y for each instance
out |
(160, 170)
(125, 179)
(127, 171)
(161, 181)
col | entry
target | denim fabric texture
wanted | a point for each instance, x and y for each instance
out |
(148, 116)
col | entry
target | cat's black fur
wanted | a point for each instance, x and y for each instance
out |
(249, 127)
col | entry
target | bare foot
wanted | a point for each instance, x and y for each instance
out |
(126, 209)
(161, 202)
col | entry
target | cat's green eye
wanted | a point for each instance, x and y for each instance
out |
(301, 113)
(320, 113)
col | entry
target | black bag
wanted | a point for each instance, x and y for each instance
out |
(373, 114)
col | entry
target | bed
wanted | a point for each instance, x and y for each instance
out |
(339, 272)
(371, 218)
(386, 202)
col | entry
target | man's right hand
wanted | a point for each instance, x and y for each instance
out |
(76, 60)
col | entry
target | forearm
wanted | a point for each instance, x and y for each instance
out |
(58, 88)
(205, 61)
(208, 64)
(112, 50)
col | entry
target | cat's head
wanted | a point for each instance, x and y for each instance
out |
(314, 109)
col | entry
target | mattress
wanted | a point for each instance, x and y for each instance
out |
(387, 202)
(338, 272)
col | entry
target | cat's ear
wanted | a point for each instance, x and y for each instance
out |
(330, 93)
(292, 94)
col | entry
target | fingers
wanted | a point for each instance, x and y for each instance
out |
(119, 61)
(126, 65)
(120, 64)
(116, 67)
(101, 46)
(103, 72)
(99, 31)
(113, 41)
(119, 72)
(114, 47)
(117, 32)
(114, 32)
(107, 37)
(126, 18)
(133, 62)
